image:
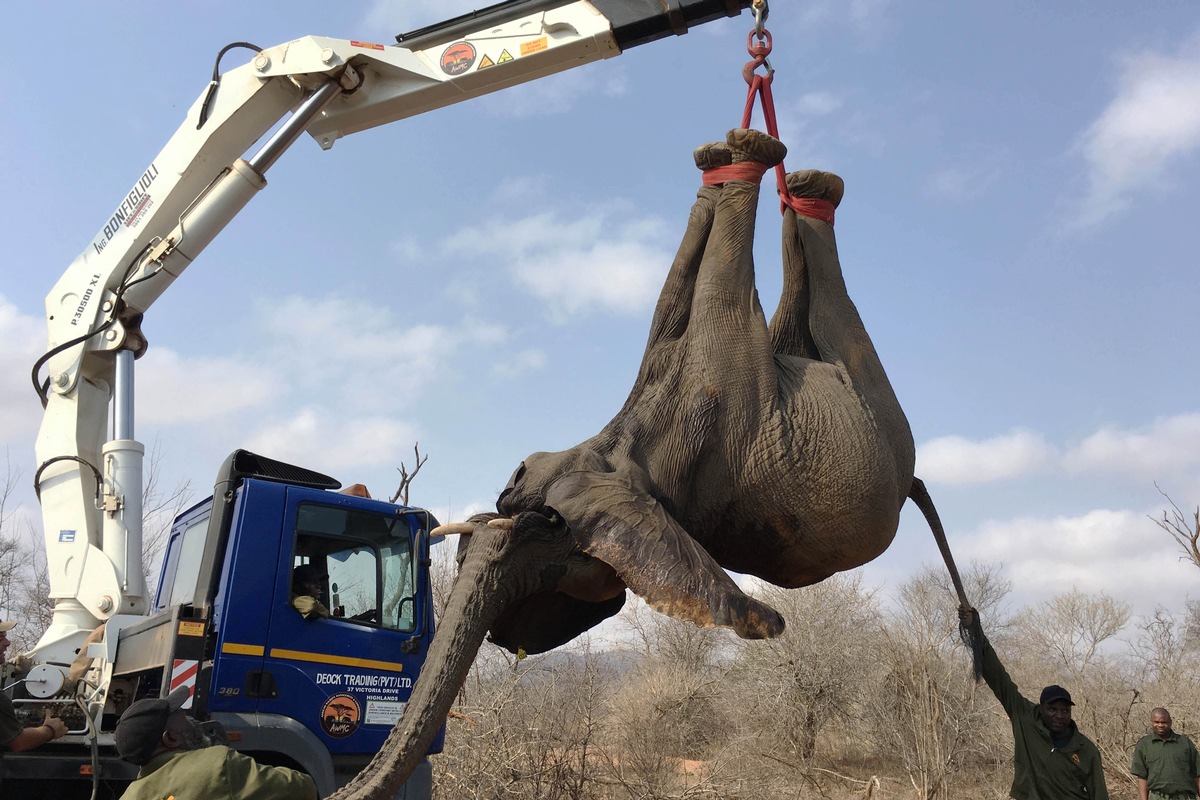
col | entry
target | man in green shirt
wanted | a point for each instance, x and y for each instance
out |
(1165, 762)
(178, 759)
(1052, 760)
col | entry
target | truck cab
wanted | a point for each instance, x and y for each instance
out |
(316, 691)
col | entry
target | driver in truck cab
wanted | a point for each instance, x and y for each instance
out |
(179, 760)
(308, 586)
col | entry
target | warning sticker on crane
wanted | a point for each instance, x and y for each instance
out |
(183, 673)
(536, 46)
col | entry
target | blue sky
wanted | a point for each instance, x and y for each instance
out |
(1019, 233)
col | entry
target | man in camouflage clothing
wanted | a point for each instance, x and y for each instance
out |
(178, 760)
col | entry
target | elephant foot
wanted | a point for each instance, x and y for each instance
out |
(741, 145)
(817, 185)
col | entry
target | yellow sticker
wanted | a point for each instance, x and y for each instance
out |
(505, 56)
(190, 628)
(486, 62)
(536, 46)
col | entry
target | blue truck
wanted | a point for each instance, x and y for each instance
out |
(318, 692)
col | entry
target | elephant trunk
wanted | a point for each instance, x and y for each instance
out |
(479, 595)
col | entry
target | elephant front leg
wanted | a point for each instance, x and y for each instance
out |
(805, 238)
(817, 320)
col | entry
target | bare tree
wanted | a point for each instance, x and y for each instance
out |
(406, 477)
(672, 642)
(927, 710)
(527, 728)
(11, 550)
(1186, 534)
(1070, 629)
(159, 510)
(818, 670)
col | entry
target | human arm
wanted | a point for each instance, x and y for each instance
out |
(1097, 787)
(51, 728)
(263, 782)
(1139, 770)
(994, 673)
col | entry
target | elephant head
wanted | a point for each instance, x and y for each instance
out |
(778, 451)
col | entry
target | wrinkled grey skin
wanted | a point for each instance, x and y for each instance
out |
(778, 451)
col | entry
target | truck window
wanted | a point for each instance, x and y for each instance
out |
(184, 557)
(360, 565)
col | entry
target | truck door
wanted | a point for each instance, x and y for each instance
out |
(347, 621)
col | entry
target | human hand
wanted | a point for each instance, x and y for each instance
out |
(57, 727)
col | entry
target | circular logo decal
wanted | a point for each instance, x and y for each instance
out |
(340, 716)
(458, 58)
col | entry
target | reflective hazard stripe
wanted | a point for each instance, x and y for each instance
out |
(183, 673)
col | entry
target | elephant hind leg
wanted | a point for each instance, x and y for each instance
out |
(791, 329)
(672, 315)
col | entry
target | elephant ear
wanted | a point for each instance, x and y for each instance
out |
(655, 557)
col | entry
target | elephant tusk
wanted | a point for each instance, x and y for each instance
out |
(452, 528)
(503, 523)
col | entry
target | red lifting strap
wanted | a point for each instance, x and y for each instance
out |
(760, 86)
(751, 171)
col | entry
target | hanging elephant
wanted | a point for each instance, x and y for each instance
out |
(778, 451)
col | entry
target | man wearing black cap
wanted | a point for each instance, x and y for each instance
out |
(14, 736)
(178, 759)
(1052, 760)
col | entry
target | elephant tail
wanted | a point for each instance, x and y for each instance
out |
(920, 497)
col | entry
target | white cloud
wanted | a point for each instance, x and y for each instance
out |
(576, 265)
(407, 248)
(1169, 443)
(359, 352)
(332, 441)
(1152, 122)
(957, 460)
(618, 276)
(1121, 553)
(22, 341)
(175, 390)
(519, 363)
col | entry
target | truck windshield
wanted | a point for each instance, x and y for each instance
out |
(358, 566)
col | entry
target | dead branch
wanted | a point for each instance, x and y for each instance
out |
(1187, 536)
(406, 477)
